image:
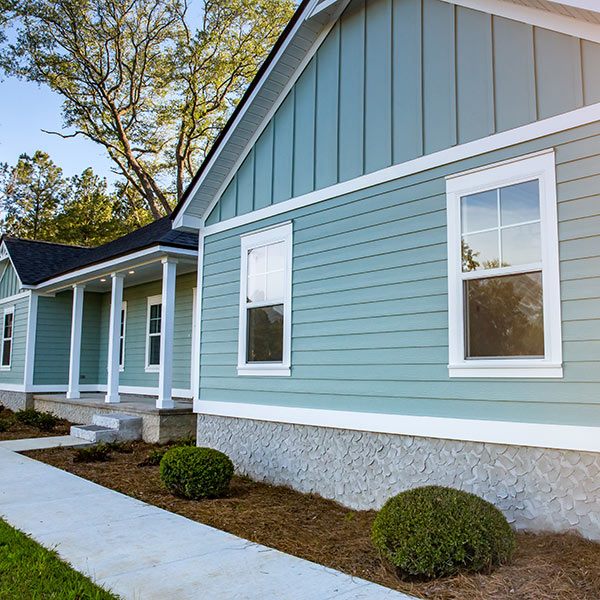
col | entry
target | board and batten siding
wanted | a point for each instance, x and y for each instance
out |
(370, 307)
(16, 374)
(9, 282)
(398, 79)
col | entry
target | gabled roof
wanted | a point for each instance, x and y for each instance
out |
(297, 43)
(36, 261)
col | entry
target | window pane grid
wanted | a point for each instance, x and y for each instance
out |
(154, 331)
(7, 332)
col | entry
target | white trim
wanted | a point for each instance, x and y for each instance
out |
(150, 301)
(535, 16)
(198, 317)
(12, 387)
(266, 237)
(101, 388)
(14, 297)
(540, 166)
(167, 333)
(178, 221)
(135, 259)
(124, 336)
(591, 5)
(319, 7)
(114, 338)
(75, 347)
(4, 253)
(8, 310)
(532, 131)
(562, 437)
(30, 340)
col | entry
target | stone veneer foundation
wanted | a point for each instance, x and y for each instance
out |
(16, 400)
(537, 489)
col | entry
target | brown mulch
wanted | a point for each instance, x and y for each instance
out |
(544, 567)
(19, 431)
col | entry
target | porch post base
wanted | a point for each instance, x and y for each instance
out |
(165, 403)
(114, 399)
(73, 395)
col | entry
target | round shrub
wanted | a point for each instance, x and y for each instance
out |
(196, 473)
(435, 531)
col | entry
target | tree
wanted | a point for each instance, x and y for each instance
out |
(138, 79)
(88, 215)
(31, 193)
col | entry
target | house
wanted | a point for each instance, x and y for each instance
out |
(90, 325)
(399, 257)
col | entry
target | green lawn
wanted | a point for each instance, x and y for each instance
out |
(29, 571)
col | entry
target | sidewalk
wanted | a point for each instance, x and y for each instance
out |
(142, 552)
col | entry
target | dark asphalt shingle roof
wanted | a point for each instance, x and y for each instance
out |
(36, 261)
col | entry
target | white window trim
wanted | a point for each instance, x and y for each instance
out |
(255, 239)
(9, 310)
(123, 337)
(541, 166)
(151, 300)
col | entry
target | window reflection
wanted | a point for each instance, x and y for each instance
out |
(265, 334)
(505, 316)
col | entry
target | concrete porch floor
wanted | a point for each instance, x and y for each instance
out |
(158, 424)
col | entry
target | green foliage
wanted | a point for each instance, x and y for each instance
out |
(139, 80)
(196, 473)
(155, 455)
(435, 531)
(98, 453)
(44, 421)
(120, 447)
(4, 424)
(29, 571)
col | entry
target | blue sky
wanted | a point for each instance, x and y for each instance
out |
(26, 109)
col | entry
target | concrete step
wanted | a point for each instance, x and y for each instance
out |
(94, 433)
(128, 426)
(113, 427)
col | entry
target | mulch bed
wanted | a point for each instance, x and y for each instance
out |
(544, 567)
(20, 431)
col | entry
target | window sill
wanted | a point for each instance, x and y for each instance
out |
(153, 369)
(5, 368)
(506, 370)
(264, 371)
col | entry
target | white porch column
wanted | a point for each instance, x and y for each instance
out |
(167, 320)
(76, 322)
(114, 338)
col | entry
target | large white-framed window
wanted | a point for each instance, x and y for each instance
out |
(153, 330)
(503, 270)
(122, 336)
(8, 321)
(265, 323)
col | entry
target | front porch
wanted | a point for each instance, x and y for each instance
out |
(159, 425)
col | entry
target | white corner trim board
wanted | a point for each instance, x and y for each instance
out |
(505, 139)
(560, 437)
(538, 17)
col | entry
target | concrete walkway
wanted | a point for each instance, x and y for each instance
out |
(142, 552)
(53, 441)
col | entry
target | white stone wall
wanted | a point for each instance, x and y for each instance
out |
(16, 400)
(537, 489)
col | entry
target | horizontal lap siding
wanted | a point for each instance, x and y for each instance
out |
(15, 375)
(396, 79)
(369, 325)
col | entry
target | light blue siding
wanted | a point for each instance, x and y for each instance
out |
(9, 282)
(370, 314)
(395, 79)
(16, 374)
(53, 337)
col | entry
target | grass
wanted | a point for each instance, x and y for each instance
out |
(27, 570)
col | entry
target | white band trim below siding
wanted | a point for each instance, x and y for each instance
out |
(91, 387)
(560, 437)
(570, 120)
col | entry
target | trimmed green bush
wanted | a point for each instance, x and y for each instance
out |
(196, 473)
(4, 424)
(435, 531)
(43, 421)
(98, 453)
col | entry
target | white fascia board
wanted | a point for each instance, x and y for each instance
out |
(591, 5)
(497, 141)
(539, 435)
(535, 16)
(14, 297)
(4, 253)
(178, 222)
(135, 259)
